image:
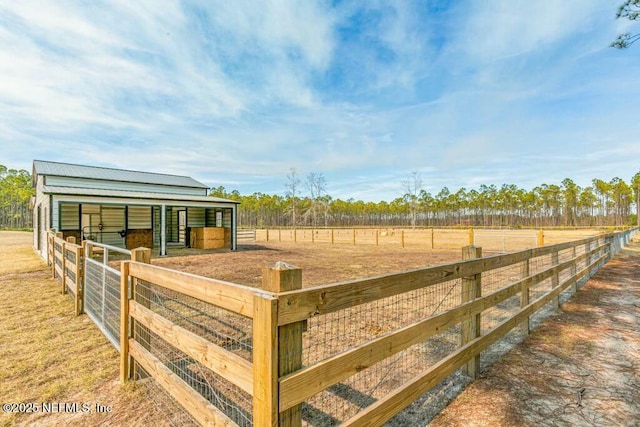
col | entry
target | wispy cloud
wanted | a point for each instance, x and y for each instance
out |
(238, 92)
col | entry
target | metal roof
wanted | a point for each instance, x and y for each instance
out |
(41, 167)
(96, 192)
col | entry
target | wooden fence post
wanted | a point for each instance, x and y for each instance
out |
(402, 238)
(79, 303)
(144, 337)
(471, 329)
(281, 278)
(574, 287)
(555, 279)
(471, 237)
(540, 238)
(432, 232)
(125, 361)
(354, 236)
(63, 261)
(332, 236)
(265, 360)
(53, 256)
(524, 296)
(377, 231)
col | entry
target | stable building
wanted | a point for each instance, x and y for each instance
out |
(128, 209)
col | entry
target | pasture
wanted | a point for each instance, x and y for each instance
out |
(350, 347)
(50, 355)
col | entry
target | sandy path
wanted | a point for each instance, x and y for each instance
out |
(581, 367)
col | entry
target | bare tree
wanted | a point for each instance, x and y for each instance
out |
(317, 187)
(412, 186)
(293, 188)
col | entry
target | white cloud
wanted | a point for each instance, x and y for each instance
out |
(239, 92)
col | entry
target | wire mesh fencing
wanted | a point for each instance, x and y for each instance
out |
(223, 328)
(102, 298)
(329, 336)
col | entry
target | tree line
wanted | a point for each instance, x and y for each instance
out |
(306, 203)
(15, 194)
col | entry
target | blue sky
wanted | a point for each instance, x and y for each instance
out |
(365, 92)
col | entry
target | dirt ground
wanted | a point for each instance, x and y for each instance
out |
(320, 263)
(581, 367)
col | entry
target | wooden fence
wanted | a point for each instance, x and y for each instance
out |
(431, 238)
(298, 351)
(66, 260)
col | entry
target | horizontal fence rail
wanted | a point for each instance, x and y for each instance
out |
(432, 238)
(67, 266)
(391, 352)
(351, 353)
(194, 336)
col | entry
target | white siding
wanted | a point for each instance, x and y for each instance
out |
(43, 201)
(126, 186)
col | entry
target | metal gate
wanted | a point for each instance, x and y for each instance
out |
(102, 289)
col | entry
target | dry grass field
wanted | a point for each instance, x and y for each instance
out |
(51, 356)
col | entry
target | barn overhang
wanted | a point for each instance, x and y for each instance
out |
(162, 217)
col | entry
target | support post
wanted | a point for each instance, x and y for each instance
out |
(377, 231)
(163, 230)
(524, 296)
(53, 256)
(48, 237)
(540, 238)
(432, 233)
(332, 236)
(79, 302)
(555, 279)
(265, 360)
(125, 360)
(282, 278)
(471, 329)
(471, 237)
(574, 287)
(354, 236)
(402, 238)
(143, 336)
(63, 279)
